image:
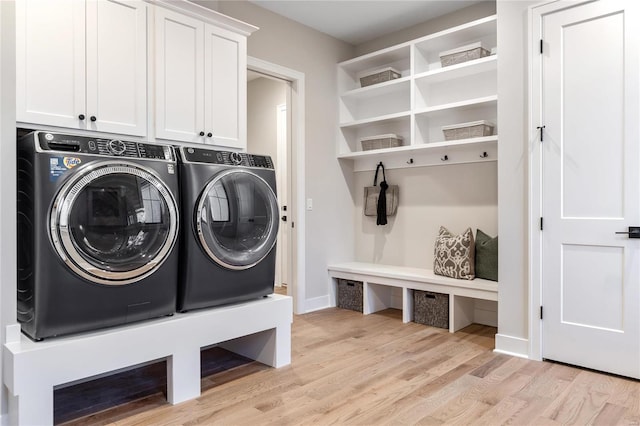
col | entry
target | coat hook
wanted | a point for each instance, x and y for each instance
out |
(445, 158)
(484, 155)
(410, 161)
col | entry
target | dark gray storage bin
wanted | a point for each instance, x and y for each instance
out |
(431, 308)
(349, 295)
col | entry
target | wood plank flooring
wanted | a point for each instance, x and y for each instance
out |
(348, 368)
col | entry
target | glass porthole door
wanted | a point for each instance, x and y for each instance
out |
(237, 219)
(114, 223)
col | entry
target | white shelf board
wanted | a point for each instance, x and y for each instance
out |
(452, 37)
(377, 120)
(381, 89)
(488, 63)
(410, 149)
(472, 150)
(379, 58)
(466, 104)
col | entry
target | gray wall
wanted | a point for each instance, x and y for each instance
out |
(263, 97)
(455, 196)
(329, 226)
(462, 16)
(7, 178)
(513, 308)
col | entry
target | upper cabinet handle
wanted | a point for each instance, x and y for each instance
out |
(209, 134)
(93, 118)
(201, 133)
(81, 117)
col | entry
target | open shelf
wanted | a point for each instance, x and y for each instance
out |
(381, 89)
(465, 69)
(472, 150)
(461, 105)
(418, 105)
(377, 120)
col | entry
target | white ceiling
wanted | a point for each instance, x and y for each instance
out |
(358, 21)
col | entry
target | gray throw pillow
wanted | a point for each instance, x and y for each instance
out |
(486, 256)
(454, 255)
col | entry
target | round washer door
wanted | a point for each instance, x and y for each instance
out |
(237, 219)
(114, 222)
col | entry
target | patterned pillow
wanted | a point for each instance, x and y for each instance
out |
(454, 255)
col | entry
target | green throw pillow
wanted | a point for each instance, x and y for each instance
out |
(486, 256)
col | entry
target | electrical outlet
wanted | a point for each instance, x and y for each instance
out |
(309, 204)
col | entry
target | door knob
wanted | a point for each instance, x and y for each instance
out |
(633, 232)
(284, 218)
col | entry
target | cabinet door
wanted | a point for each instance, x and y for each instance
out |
(225, 86)
(179, 76)
(117, 66)
(50, 59)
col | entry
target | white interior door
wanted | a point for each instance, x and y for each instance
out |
(591, 186)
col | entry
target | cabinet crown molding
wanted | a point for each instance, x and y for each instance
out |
(200, 12)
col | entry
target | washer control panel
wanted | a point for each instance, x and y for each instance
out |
(103, 146)
(229, 158)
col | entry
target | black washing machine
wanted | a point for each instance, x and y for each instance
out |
(230, 226)
(97, 232)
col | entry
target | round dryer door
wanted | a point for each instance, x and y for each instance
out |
(114, 222)
(237, 219)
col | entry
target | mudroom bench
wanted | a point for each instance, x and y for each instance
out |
(378, 282)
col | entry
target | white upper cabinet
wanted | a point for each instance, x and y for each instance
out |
(200, 81)
(425, 98)
(82, 64)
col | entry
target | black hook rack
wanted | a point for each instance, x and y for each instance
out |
(410, 161)
(445, 158)
(484, 155)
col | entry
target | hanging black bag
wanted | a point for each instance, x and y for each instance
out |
(380, 202)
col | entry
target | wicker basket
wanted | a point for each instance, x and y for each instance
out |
(379, 76)
(380, 141)
(349, 295)
(474, 129)
(431, 308)
(463, 54)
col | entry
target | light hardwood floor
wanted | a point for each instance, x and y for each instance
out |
(373, 370)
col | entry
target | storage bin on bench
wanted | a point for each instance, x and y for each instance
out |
(431, 308)
(349, 295)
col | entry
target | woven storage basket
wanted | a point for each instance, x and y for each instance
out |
(380, 141)
(463, 54)
(349, 295)
(473, 129)
(379, 76)
(431, 308)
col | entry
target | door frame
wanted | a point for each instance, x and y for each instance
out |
(296, 173)
(536, 14)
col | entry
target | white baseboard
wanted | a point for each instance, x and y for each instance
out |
(514, 346)
(317, 304)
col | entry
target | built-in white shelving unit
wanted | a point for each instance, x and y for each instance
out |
(417, 105)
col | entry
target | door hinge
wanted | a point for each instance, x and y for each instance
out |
(541, 46)
(541, 312)
(541, 128)
(293, 224)
(541, 224)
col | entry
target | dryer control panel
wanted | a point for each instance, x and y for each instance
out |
(103, 146)
(229, 158)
